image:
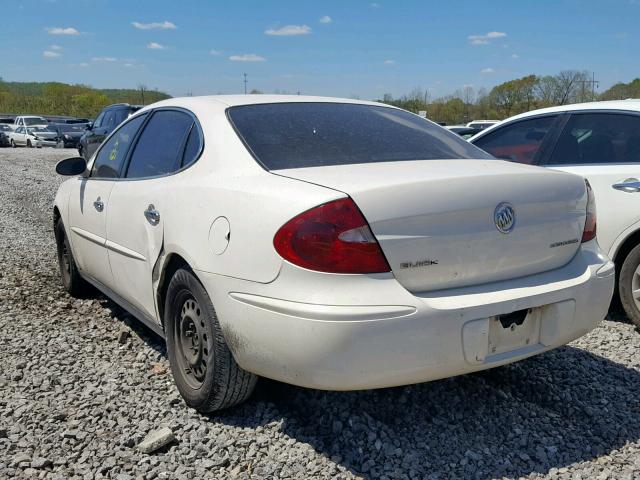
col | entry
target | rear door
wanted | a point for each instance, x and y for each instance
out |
(604, 147)
(135, 226)
(89, 205)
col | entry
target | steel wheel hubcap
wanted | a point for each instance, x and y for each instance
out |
(635, 287)
(193, 344)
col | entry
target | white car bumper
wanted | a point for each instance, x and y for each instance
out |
(348, 332)
(46, 143)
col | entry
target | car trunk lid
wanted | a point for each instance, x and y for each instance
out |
(436, 220)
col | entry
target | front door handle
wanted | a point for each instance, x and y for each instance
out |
(630, 185)
(98, 204)
(152, 215)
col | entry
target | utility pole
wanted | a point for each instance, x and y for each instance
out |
(245, 83)
(593, 84)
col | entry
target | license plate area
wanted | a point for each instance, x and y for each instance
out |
(514, 330)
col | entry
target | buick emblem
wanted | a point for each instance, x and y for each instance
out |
(504, 217)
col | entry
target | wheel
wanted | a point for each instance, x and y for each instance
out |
(629, 285)
(205, 372)
(13, 144)
(72, 282)
(29, 144)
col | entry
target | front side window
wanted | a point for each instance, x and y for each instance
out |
(98, 122)
(109, 120)
(591, 138)
(160, 147)
(517, 142)
(112, 153)
(299, 135)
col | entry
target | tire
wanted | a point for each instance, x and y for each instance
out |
(72, 282)
(29, 145)
(628, 282)
(13, 144)
(203, 368)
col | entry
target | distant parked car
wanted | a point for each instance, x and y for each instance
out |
(5, 130)
(482, 124)
(601, 142)
(462, 130)
(110, 117)
(30, 121)
(69, 134)
(33, 137)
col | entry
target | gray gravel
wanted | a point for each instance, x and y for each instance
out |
(77, 396)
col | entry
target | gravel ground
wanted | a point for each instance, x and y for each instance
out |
(77, 394)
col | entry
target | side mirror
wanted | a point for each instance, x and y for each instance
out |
(71, 166)
(89, 126)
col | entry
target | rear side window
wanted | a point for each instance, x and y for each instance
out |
(299, 135)
(159, 149)
(193, 146)
(112, 153)
(519, 141)
(591, 138)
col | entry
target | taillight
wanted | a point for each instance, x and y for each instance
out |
(334, 238)
(589, 232)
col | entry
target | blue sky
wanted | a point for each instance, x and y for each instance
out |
(339, 48)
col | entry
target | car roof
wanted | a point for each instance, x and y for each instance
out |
(225, 101)
(630, 104)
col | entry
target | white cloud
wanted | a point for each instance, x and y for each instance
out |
(155, 46)
(55, 47)
(104, 59)
(50, 54)
(63, 31)
(83, 64)
(325, 19)
(166, 25)
(389, 62)
(486, 71)
(214, 52)
(247, 57)
(289, 30)
(515, 55)
(486, 38)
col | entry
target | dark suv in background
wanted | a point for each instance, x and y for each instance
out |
(110, 117)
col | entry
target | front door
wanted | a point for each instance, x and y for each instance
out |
(605, 149)
(88, 207)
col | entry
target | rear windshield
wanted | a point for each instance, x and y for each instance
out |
(299, 135)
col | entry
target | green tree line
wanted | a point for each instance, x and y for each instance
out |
(54, 98)
(512, 97)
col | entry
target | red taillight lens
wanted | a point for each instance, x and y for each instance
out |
(334, 238)
(589, 232)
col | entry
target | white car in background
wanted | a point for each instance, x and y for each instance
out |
(29, 121)
(601, 142)
(482, 124)
(33, 137)
(328, 243)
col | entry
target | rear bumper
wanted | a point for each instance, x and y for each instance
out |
(352, 332)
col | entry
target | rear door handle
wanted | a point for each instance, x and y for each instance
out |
(152, 215)
(98, 204)
(631, 185)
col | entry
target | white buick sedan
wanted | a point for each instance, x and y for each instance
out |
(327, 243)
